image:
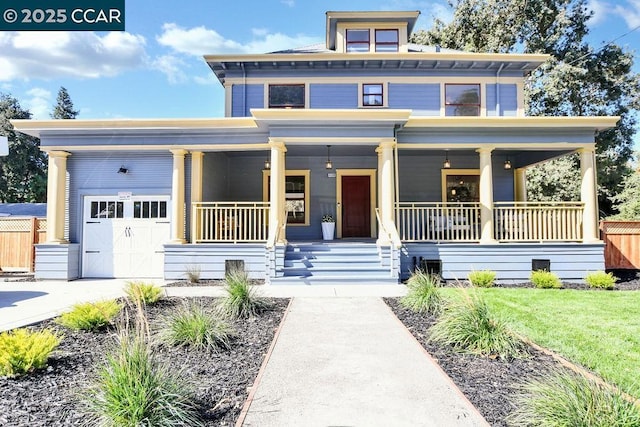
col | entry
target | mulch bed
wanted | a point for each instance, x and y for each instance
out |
(53, 396)
(207, 282)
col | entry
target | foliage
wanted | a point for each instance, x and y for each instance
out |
(578, 79)
(627, 201)
(557, 180)
(567, 399)
(327, 218)
(543, 279)
(22, 350)
(192, 326)
(424, 293)
(134, 389)
(241, 299)
(600, 279)
(468, 325)
(193, 273)
(146, 293)
(90, 316)
(482, 279)
(594, 329)
(64, 106)
(23, 173)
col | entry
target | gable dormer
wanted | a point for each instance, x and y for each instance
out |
(370, 32)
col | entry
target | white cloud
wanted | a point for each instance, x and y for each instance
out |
(289, 3)
(48, 55)
(172, 66)
(207, 80)
(600, 11)
(630, 13)
(430, 10)
(200, 41)
(39, 103)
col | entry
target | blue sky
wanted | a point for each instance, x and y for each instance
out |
(155, 68)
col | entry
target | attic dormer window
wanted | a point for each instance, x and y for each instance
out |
(358, 40)
(387, 41)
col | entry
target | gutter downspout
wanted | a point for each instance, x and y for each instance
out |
(244, 90)
(498, 89)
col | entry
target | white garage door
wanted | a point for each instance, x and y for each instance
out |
(124, 238)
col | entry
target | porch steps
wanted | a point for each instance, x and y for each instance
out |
(334, 263)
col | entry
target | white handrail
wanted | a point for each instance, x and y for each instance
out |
(437, 221)
(229, 222)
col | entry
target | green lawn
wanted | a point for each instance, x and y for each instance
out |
(599, 330)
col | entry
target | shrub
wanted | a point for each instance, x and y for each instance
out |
(90, 316)
(22, 350)
(192, 326)
(241, 300)
(424, 293)
(134, 389)
(600, 279)
(193, 273)
(565, 399)
(543, 279)
(146, 293)
(468, 325)
(482, 279)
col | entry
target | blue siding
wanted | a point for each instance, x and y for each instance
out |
(508, 100)
(57, 262)
(210, 259)
(246, 97)
(570, 261)
(423, 99)
(333, 95)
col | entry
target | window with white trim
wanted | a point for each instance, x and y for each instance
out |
(286, 96)
(372, 95)
(387, 41)
(358, 40)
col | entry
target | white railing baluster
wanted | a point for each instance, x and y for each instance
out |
(231, 222)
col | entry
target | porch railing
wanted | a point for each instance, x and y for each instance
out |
(435, 221)
(538, 221)
(230, 222)
(389, 230)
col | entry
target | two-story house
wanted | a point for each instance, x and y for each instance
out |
(418, 153)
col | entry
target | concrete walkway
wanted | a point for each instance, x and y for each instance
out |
(350, 362)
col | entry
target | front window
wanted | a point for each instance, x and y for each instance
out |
(462, 99)
(372, 95)
(387, 40)
(358, 40)
(286, 96)
(462, 187)
(296, 195)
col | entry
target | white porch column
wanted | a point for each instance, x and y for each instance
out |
(177, 196)
(588, 194)
(486, 196)
(56, 189)
(196, 189)
(385, 185)
(521, 184)
(277, 214)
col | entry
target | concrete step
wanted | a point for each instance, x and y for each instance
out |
(333, 280)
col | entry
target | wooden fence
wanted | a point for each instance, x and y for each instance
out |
(622, 244)
(17, 237)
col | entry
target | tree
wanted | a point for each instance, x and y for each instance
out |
(627, 202)
(64, 106)
(23, 176)
(577, 80)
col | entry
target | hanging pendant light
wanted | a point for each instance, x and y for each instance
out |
(328, 164)
(267, 164)
(447, 163)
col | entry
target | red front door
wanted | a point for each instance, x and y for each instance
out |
(356, 206)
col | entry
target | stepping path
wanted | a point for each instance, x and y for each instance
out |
(350, 362)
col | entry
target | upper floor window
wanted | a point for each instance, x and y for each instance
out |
(286, 96)
(462, 99)
(387, 41)
(372, 95)
(358, 40)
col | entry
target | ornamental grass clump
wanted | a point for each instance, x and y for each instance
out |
(468, 325)
(424, 293)
(193, 273)
(22, 350)
(146, 293)
(568, 399)
(601, 280)
(90, 316)
(192, 326)
(241, 300)
(482, 279)
(543, 279)
(133, 388)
